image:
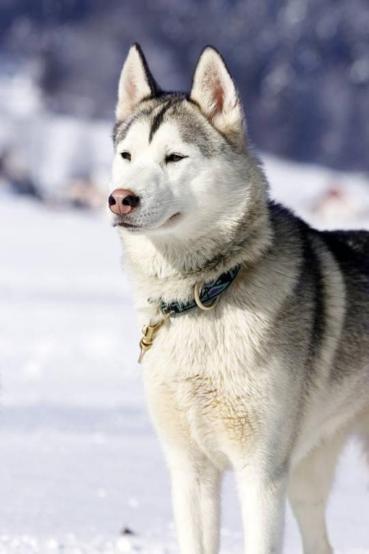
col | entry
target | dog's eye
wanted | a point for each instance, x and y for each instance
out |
(126, 156)
(173, 158)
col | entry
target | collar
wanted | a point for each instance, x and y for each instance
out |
(204, 297)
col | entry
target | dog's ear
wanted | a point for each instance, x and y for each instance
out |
(215, 93)
(135, 84)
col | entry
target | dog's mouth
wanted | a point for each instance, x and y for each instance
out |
(126, 225)
(133, 227)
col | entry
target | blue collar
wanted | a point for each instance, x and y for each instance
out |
(210, 291)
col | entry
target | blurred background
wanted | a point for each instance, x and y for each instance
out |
(81, 470)
(302, 67)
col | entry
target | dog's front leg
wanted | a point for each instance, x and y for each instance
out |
(210, 507)
(195, 491)
(262, 497)
(195, 480)
(187, 509)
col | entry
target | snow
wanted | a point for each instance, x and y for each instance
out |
(79, 459)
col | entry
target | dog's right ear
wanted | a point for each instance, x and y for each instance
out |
(136, 83)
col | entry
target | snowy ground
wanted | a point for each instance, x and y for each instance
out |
(79, 460)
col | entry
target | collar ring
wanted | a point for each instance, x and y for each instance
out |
(199, 303)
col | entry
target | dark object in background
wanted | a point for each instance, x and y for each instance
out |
(15, 175)
(127, 531)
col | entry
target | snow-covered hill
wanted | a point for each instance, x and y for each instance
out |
(79, 460)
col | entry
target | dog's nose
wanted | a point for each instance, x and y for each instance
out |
(123, 201)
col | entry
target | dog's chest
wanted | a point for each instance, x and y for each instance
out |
(217, 412)
(198, 409)
(198, 385)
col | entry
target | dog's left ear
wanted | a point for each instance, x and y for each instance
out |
(136, 83)
(215, 93)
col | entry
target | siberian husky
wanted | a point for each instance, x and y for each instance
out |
(255, 347)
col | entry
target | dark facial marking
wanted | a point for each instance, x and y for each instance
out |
(193, 132)
(158, 119)
(149, 105)
(191, 128)
(121, 128)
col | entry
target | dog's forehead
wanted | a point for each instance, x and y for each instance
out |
(176, 114)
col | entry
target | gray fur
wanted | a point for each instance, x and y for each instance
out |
(350, 249)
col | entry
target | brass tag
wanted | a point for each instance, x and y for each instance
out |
(148, 335)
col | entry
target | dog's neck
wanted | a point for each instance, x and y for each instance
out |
(169, 269)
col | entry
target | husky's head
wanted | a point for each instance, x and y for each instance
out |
(181, 165)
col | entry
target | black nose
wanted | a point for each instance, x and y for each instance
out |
(123, 201)
(131, 200)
